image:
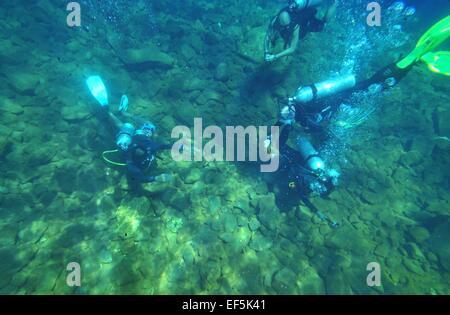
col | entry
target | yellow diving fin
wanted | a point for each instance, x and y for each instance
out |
(435, 36)
(438, 62)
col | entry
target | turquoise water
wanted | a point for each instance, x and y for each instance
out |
(215, 227)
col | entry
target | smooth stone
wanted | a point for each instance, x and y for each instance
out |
(222, 73)
(9, 106)
(105, 256)
(260, 243)
(412, 266)
(419, 234)
(254, 224)
(284, 281)
(148, 56)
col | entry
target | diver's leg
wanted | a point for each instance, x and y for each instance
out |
(115, 120)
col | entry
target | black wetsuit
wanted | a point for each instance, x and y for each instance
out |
(293, 167)
(140, 157)
(305, 19)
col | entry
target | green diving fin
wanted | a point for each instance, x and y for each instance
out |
(435, 36)
(438, 62)
(98, 89)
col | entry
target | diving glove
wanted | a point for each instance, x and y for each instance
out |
(287, 115)
(123, 107)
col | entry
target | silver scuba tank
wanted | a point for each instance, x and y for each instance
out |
(323, 89)
(310, 155)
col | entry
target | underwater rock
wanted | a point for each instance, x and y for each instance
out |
(418, 234)
(148, 56)
(370, 197)
(226, 237)
(10, 106)
(229, 222)
(194, 176)
(194, 84)
(348, 238)
(284, 281)
(189, 255)
(269, 215)
(414, 251)
(254, 224)
(180, 201)
(260, 243)
(387, 218)
(242, 203)
(40, 155)
(383, 250)
(74, 114)
(439, 240)
(309, 281)
(210, 97)
(187, 52)
(140, 204)
(105, 256)
(5, 134)
(411, 158)
(241, 220)
(442, 120)
(222, 73)
(412, 266)
(24, 83)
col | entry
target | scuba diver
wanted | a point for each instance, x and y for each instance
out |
(137, 148)
(293, 23)
(303, 172)
(307, 107)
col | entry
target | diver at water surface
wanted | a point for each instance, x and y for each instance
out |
(292, 24)
(137, 148)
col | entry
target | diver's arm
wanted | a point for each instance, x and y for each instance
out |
(292, 47)
(269, 37)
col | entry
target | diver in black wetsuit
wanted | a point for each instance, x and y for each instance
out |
(293, 23)
(139, 151)
(308, 107)
(305, 170)
(137, 147)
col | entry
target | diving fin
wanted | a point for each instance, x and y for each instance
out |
(438, 62)
(435, 36)
(98, 89)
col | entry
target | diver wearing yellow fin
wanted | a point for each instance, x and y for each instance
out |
(304, 100)
(437, 62)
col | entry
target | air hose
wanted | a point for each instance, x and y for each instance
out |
(104, 155)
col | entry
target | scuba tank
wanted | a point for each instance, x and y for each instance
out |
(124, 137)
(310, 155)
(323, 89)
